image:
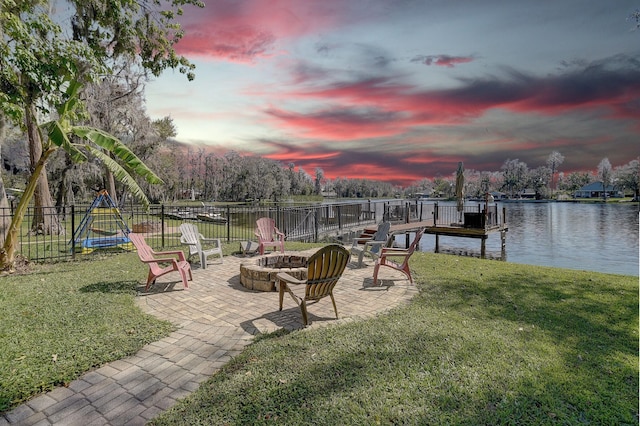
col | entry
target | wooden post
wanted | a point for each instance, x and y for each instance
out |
(483, 247)
(435, 214)
(437, 243)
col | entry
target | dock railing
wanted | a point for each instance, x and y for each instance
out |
(472, 216)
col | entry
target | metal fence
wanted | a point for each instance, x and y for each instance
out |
(84, 230)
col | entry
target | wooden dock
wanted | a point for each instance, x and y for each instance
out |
(467, 232)
(453, 230)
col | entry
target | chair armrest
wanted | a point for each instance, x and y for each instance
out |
(283, 276)
(362, 239)
(392, 251)
(374, 243)
(211, 240)
(161, 260)
(178, 253)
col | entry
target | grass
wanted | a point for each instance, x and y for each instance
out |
(485, 342)
(59, 321)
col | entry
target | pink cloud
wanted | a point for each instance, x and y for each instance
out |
(242, 31)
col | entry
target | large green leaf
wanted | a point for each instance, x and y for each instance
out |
(72, 98)
(57, 135)
(120, 150)
(120, 174)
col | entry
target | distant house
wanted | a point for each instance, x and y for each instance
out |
(595, 190)
(529, 194)
(497, 195)
(426, 194)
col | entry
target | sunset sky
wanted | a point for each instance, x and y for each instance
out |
(402, 90)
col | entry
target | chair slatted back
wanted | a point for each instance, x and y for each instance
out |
(191, 236)
(416, 240)
(265, 227)
(325, 267)
(382, 234)
(144, 251)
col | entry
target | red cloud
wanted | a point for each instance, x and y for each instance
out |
(398, 168)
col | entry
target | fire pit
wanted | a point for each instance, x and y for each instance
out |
(261, 274)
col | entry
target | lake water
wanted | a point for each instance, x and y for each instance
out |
(594, 237)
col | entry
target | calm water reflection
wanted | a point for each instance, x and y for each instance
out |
(594, 237)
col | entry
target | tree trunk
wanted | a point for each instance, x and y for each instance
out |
(45, 220)
(64, 188)
(5, 213)
(110, 185)
(7, 254)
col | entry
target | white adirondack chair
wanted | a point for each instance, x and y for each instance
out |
(194, 239)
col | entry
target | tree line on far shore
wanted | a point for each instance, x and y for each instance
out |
(193, 173)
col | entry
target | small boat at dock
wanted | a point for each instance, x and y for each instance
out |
(211, 217)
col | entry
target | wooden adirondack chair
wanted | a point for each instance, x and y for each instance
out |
(401, 256)
(371, 245)
(161, 263)
(192, 238)
(325, 267)
(268, 235)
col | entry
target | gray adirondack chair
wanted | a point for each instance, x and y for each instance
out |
(371, 246)
(192, 238)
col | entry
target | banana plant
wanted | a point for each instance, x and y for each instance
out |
(57, 134)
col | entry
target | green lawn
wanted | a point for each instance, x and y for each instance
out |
(485, 342)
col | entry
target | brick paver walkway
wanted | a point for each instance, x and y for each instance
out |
(216, 319)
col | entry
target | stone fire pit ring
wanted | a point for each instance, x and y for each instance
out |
(260, 274)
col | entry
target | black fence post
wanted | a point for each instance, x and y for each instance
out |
(435, 214)
(73, 231)
(162, 223)
(407, 213)
(228, 224)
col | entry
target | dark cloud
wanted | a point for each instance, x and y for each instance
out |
(337, 123)
(442, 60)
